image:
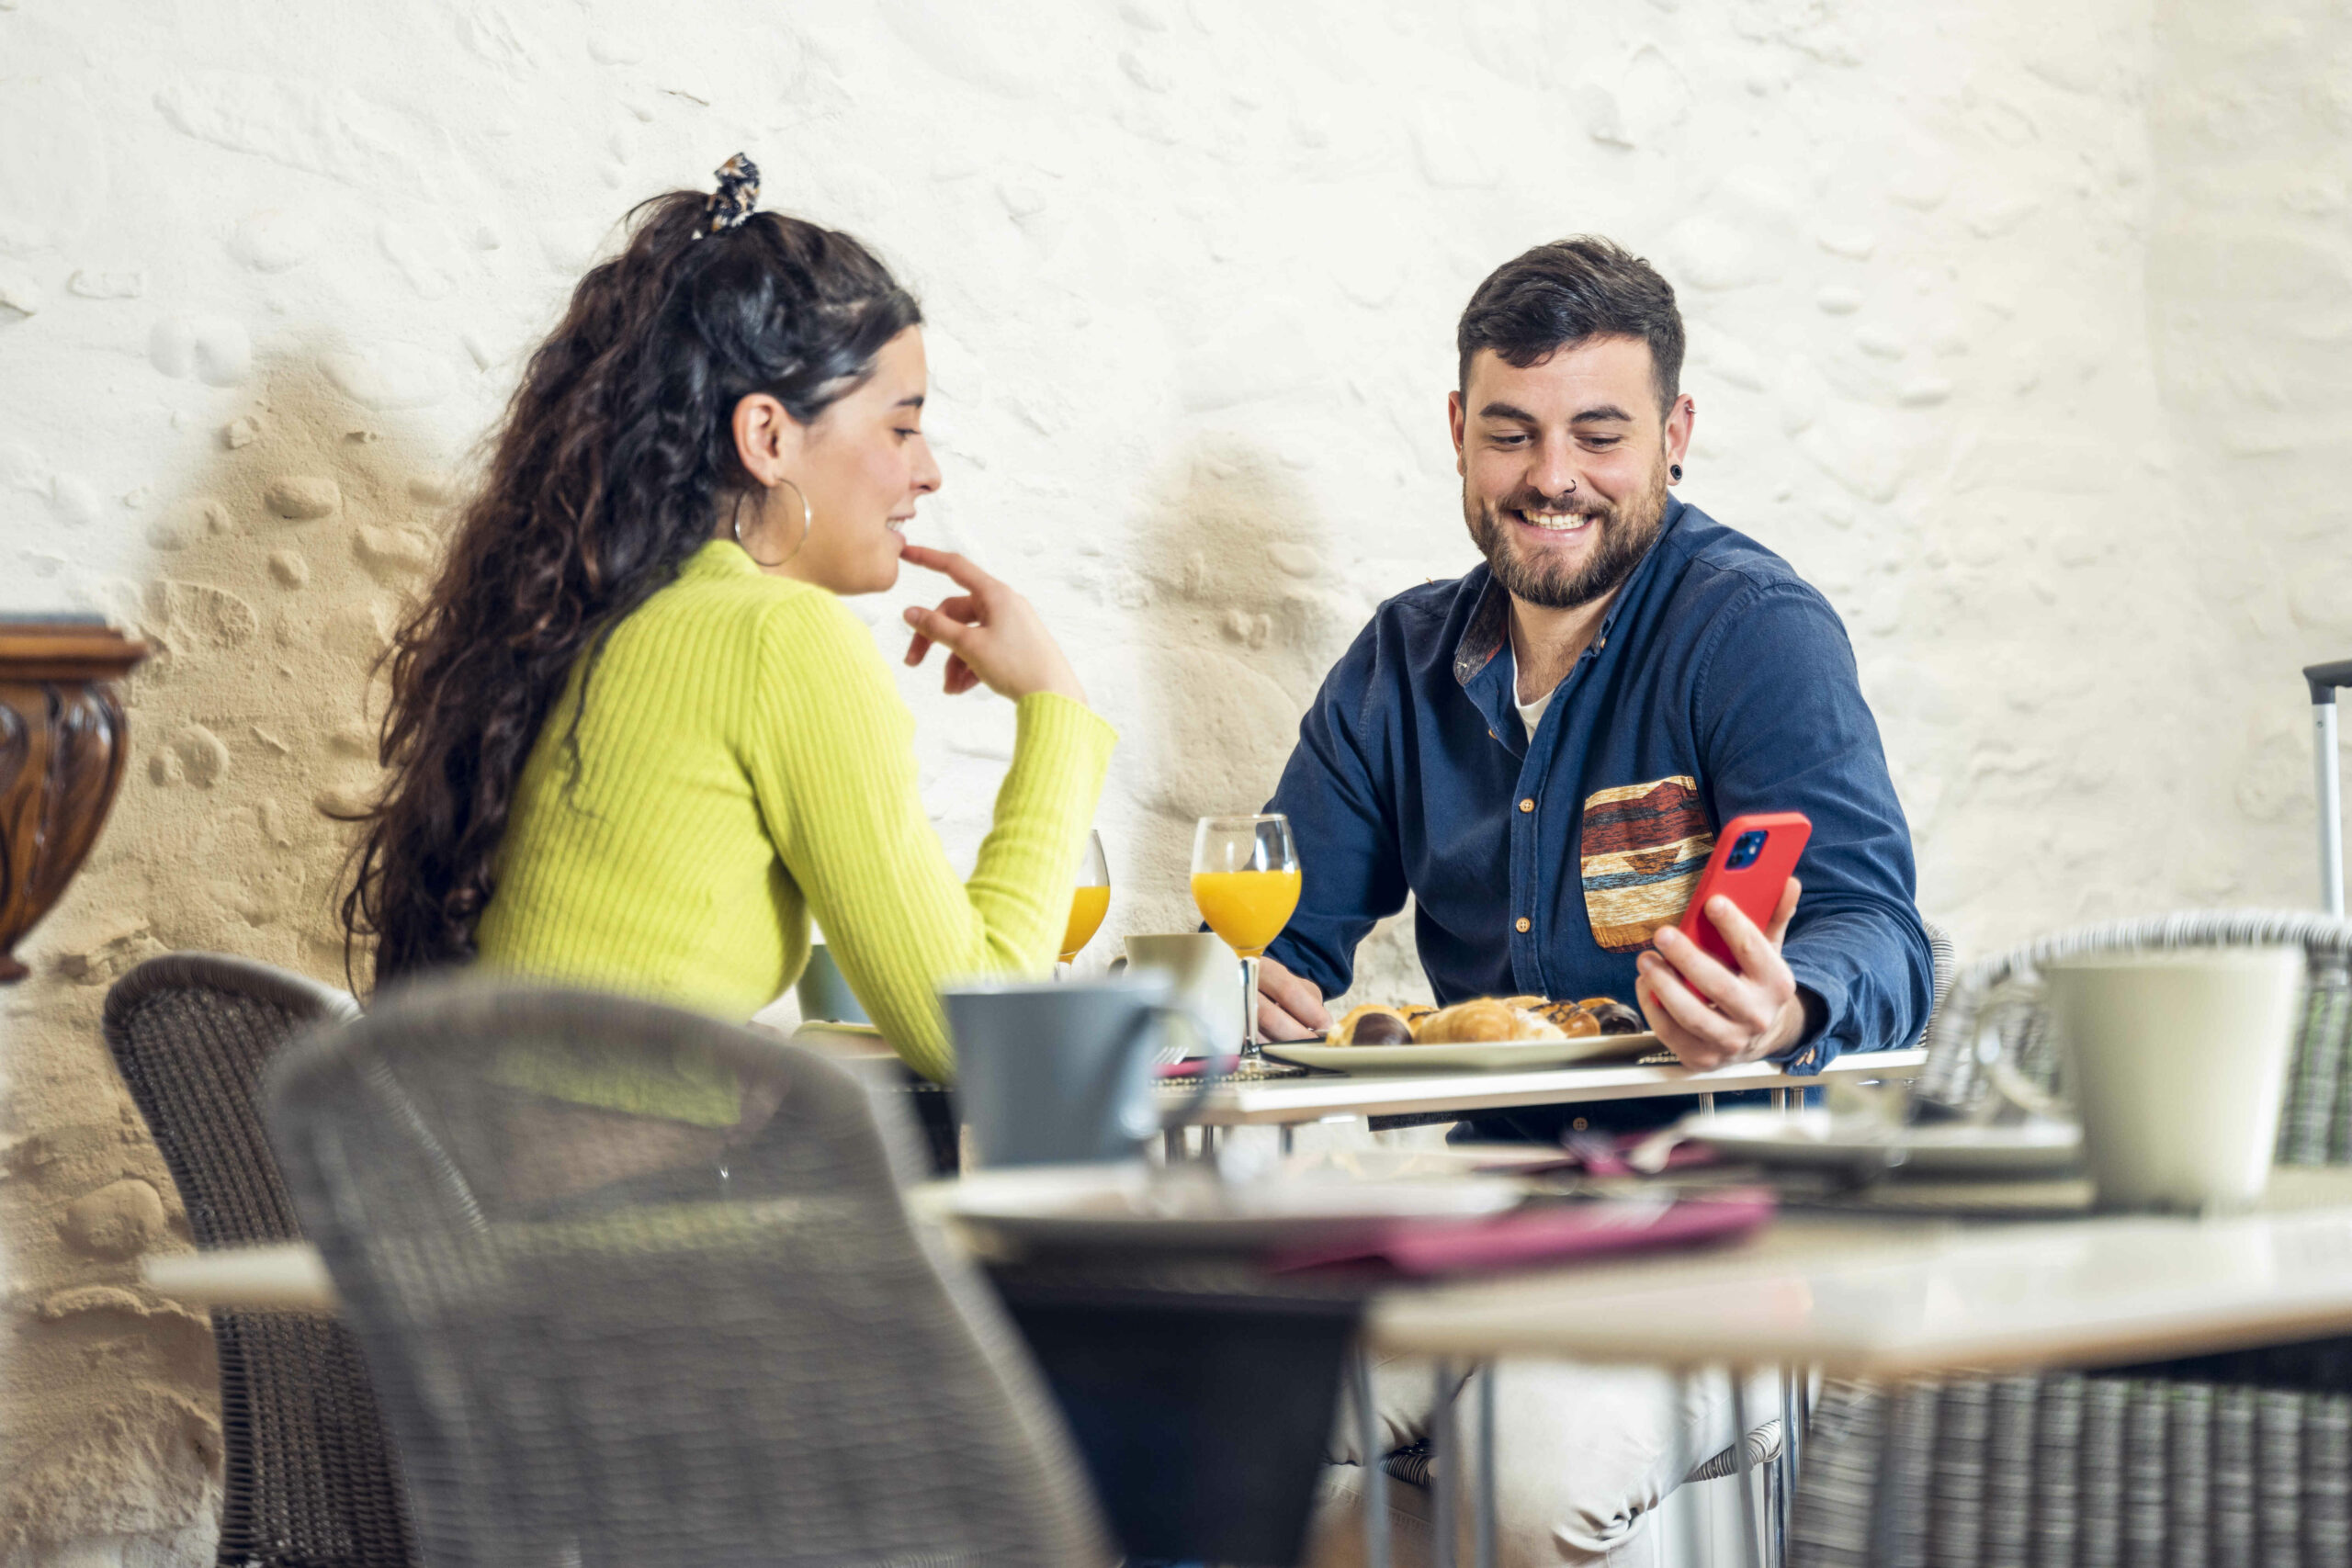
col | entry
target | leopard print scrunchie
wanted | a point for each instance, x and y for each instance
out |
(738, 193)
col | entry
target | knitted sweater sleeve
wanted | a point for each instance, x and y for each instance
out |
(830, 747)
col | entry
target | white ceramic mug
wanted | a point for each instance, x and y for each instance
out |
(1204, 976)
(2177, 1063)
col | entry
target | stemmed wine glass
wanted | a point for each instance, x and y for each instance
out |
(1246, 881)
(1090, 899)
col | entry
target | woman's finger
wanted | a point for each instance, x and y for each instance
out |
(959, 569)
(932, 627)
(1785, 913)
(961, 608)
(960, 678)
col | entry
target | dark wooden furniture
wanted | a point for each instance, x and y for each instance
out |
(63, 745)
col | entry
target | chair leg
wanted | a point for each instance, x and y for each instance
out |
(1484, 1534)
(1445, 1467)
(1751, 1537)
(1370, 1441)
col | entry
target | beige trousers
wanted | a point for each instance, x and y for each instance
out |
(1584, 1454)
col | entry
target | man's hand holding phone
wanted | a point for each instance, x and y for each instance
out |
(1716, 988)
(1710, 1015)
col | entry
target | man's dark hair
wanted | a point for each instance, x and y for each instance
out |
(1566, 292)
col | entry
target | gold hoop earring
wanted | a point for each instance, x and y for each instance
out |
(807, 523)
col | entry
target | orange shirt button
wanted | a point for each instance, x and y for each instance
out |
(1527, 804)
(1523, 922)
(1578, 1124)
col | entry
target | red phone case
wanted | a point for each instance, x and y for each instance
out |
(1755, 888)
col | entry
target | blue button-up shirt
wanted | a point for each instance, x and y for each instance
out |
(1718, 682)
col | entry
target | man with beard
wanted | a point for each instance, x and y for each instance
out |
(1540, 753)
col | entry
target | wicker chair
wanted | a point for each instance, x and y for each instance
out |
(2242, 1458)
(310, 1479)
(706, 1336)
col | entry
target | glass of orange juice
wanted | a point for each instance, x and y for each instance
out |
(1246, 880)
(1090, 899)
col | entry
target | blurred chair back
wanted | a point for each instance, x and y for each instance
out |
(1995, 1018)
(1944, 967)
(309, 1478)
(2243, 1457)
(638, 1286)
(2146, 1466)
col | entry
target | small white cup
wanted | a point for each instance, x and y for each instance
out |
(2176, 1064)
(1203, 975)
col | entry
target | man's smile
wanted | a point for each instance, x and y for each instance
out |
(1550, 521)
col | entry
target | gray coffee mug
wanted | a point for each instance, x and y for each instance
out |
(824, 994)
(1050, 1073)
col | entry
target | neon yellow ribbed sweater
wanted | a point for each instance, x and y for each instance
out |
(746, 763)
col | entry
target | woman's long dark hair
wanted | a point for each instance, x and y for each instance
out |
(605, 475)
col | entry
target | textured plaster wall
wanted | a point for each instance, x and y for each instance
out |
(2015, 326)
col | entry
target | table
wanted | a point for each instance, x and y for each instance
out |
(284, 1277)
(1900, 1295)
(290, 1276)
(1877, 1297)
(1290, 1102)
(1862, 1298)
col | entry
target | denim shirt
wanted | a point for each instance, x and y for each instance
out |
(1718, 682)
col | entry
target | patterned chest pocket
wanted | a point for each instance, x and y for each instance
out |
(1644, 846)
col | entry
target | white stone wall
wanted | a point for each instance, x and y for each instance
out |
(2017, 326)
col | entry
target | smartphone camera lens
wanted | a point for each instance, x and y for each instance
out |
(1745, 849)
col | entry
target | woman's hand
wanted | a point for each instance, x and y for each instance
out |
(993, 636)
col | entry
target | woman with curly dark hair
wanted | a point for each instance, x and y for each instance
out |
(636, 741)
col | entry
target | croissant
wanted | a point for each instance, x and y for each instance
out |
(1482, 1022)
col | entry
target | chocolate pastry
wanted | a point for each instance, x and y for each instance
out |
(1615, 1017)
(1572, 1018)
(1372, 1024)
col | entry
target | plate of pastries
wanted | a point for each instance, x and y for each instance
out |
(1490, 1033)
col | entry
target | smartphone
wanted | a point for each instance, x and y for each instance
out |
(1754, 857)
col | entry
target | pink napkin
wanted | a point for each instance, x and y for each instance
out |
(1552, 1235)
(1193, 1067)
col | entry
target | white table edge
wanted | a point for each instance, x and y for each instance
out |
(1514, 1315)
(1506, 1314)
(2087, 1348)
(285, 1276)
(1307, 1099)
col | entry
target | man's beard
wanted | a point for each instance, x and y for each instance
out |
(1626, 532)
